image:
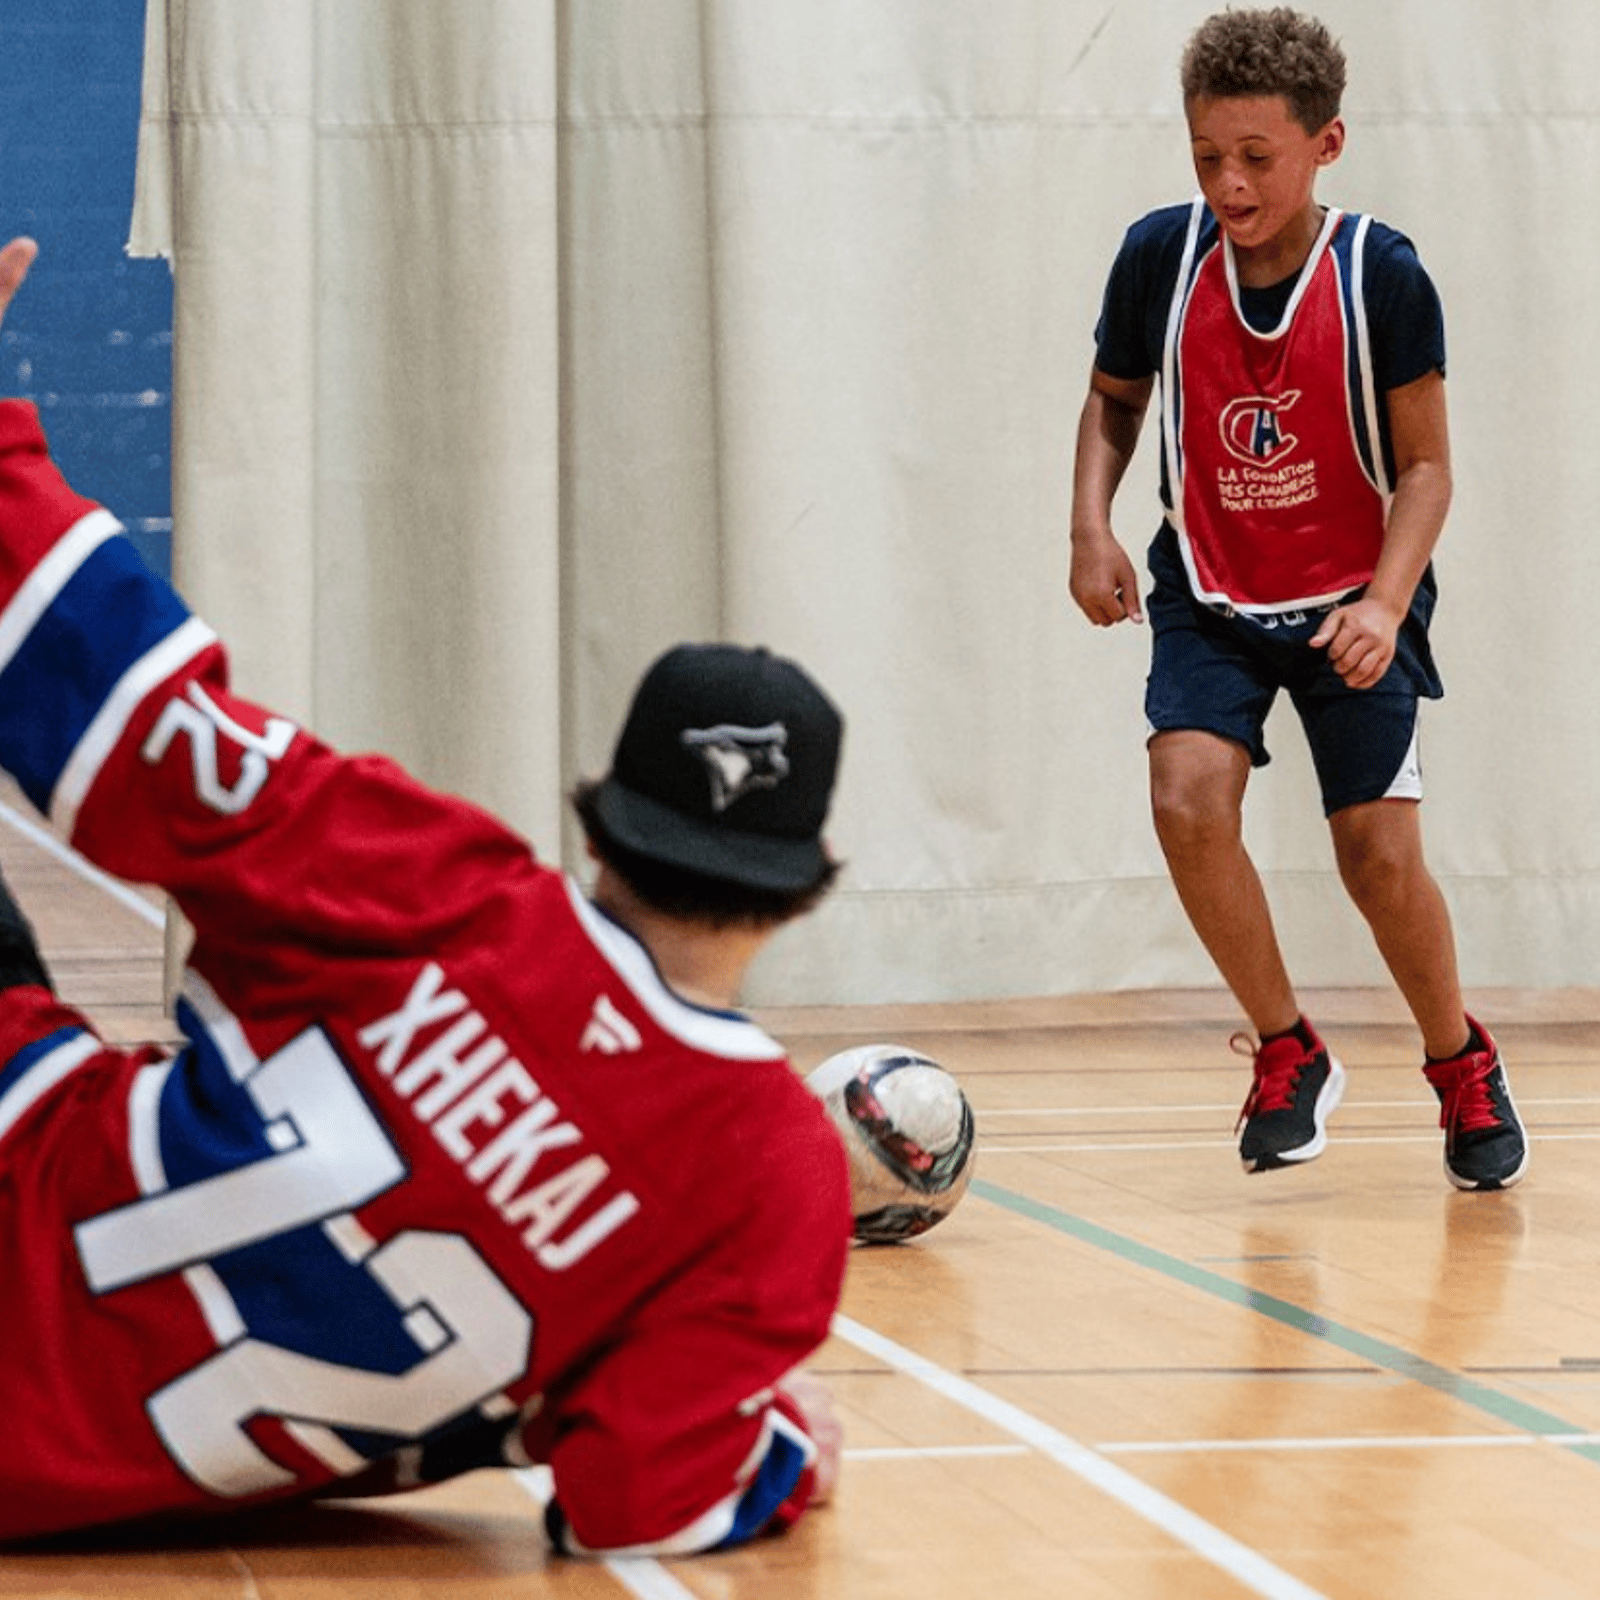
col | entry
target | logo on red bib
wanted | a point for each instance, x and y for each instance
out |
(1253, 429)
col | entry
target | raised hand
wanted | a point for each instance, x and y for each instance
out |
(15, 259)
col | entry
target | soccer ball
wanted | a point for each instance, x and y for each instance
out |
(908, 1133)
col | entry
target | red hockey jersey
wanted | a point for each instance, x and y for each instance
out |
(444, 1176)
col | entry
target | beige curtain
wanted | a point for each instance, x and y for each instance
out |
(360, 204)
(517, 339)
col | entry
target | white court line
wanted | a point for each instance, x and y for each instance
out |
(1251, 1568)
(1476, 1441)
(118, 891)
(641, 1576)
(647, 1579)
(1302, 1445)
(932, 1452)
(251, 1590)
(1165, 1108)
(1344, 1141)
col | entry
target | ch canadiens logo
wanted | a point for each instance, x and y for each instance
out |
(1253, 428)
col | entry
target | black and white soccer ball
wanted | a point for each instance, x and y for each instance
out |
(908, 1133)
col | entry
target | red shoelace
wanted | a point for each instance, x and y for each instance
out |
(1278, 1068)
(1463, 1085)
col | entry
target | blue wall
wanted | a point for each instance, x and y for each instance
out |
(89, 339)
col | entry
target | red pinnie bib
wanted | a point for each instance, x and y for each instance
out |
(1275, 503)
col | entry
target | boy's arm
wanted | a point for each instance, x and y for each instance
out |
(1102, 579)
(1360, 637)
(679, 1438)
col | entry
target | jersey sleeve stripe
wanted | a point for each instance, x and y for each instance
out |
(36, 594)
(781, 1485)
(32, 1073)
(103, 731)
(89, 601)
(780, 1461)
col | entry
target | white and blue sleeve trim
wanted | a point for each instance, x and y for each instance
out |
(94, 604)
(780, 1459)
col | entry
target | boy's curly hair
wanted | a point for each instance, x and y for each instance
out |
(1267, 52)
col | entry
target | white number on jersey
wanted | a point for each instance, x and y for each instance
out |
(203, 722)
(474, 1334)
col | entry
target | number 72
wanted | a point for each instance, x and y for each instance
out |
(332, 1155)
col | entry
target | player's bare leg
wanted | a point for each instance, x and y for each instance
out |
(1197, 784)
(1379, 847)
(1379, 850)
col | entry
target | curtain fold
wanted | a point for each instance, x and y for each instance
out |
(359, 202)
(517, 340)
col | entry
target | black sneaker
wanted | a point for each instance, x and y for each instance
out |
(1297, 1086)
(1484, 1143)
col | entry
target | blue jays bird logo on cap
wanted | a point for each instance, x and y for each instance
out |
(712, 725)
(740, 759)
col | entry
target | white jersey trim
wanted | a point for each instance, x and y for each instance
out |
(711, 1527)
(1171, 433)
(40, 588)
(722, 1034)
(1230, 607)
(180, 647)
(1379, 471)
(1231, 271)
(50, 1069)
(1171, 437)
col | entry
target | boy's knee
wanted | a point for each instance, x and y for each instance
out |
(1192, 817)
(1197, 784)
(1379, 854)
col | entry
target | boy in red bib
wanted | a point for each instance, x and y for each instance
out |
(1305, 472)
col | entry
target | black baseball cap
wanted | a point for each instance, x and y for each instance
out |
(724, 767)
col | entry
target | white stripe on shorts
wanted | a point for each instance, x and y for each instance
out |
(1407, 783)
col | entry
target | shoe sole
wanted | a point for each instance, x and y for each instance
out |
(1493, 1185)
(1488, 1185)
(1328, 1099)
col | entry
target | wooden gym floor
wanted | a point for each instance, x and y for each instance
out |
(1122, 1371)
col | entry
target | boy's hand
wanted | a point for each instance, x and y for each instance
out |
(15, 259)
(1360, 640)
(1103, 581)
(810, 1395)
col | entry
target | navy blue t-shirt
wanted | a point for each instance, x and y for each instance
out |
(1404, 316)
(1405, 320)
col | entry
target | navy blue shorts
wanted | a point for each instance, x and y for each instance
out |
(1220, 673)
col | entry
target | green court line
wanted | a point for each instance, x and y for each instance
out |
(1387, 1357)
